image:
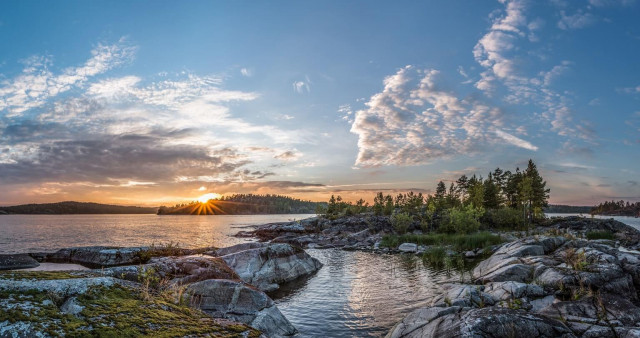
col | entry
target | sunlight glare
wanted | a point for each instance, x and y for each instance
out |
(210, 196)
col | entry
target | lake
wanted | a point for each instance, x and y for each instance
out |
(355, 294)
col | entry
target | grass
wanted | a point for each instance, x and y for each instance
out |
(600, 234)
(117, 311)
(460, 242)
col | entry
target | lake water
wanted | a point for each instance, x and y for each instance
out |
(355, 294)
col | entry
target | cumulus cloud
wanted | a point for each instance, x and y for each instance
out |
(414, 121)
(246, 72)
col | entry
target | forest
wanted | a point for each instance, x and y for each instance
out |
(503, 199)
(619, 208)
(71, 207)
(244, 204)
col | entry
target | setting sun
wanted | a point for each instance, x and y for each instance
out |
(210, 196)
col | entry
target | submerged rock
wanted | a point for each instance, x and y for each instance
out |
(268, 266)
(240, 302)
(17, 261)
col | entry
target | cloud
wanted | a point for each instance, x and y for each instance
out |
(246, 72)
(128, 132)
(576, 21)
(37, 83)
(302, 86)
(289, 155)
(414, 121)
(518, 142)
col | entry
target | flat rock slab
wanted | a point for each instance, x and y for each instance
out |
(17, 261)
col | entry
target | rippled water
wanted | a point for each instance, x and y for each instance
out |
(28, 233)
(359, 294)
(355, 294)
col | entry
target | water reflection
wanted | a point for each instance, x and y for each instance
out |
(359, 293)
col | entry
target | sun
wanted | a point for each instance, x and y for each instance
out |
(210, 196)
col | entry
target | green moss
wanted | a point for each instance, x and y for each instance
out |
(119, 312)
(44, 275)
(604, 234)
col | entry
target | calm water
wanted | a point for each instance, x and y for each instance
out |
(28, 233)
(355, 294)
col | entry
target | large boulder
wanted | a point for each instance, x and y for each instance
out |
(17, 261)
(96, 256)
(237, 301)
(177, 270)
(267, 267)
(492, 322)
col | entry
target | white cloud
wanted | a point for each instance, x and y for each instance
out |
(246, 72)
(301, 87)
(576, 21)
(414, 121)
(37, 83)
(518, 142)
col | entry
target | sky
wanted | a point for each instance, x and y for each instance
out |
(155, 102)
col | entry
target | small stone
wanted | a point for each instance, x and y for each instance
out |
(408, 247)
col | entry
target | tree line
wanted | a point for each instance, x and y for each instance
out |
(502, 199)
(619, 208)
(244, 204)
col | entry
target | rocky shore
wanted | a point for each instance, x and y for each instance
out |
(552, 281)
(151, 291)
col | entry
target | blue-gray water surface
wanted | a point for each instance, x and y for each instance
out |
(355, 294)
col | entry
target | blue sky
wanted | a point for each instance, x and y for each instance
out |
(154, 102)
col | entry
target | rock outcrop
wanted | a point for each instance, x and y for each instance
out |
(17, 261)
(268, 266)
(240, 302)
(541, 287)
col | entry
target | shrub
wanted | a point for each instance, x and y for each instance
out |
(460, 242)
(503, 218)
(401, 222)
(600, 234)
(435, 255)
(464, 220)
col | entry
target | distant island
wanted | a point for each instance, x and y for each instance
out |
(245, 204)
(71, 207)
(567, 209)
(619, 208)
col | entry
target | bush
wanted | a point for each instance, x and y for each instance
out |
(600, 234)
(503, 218)
(463, 220)
(401, 222)
(435, 255)
(460, 242)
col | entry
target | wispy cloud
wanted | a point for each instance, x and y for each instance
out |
(302, 86)
(578, 20)
(518, 142)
